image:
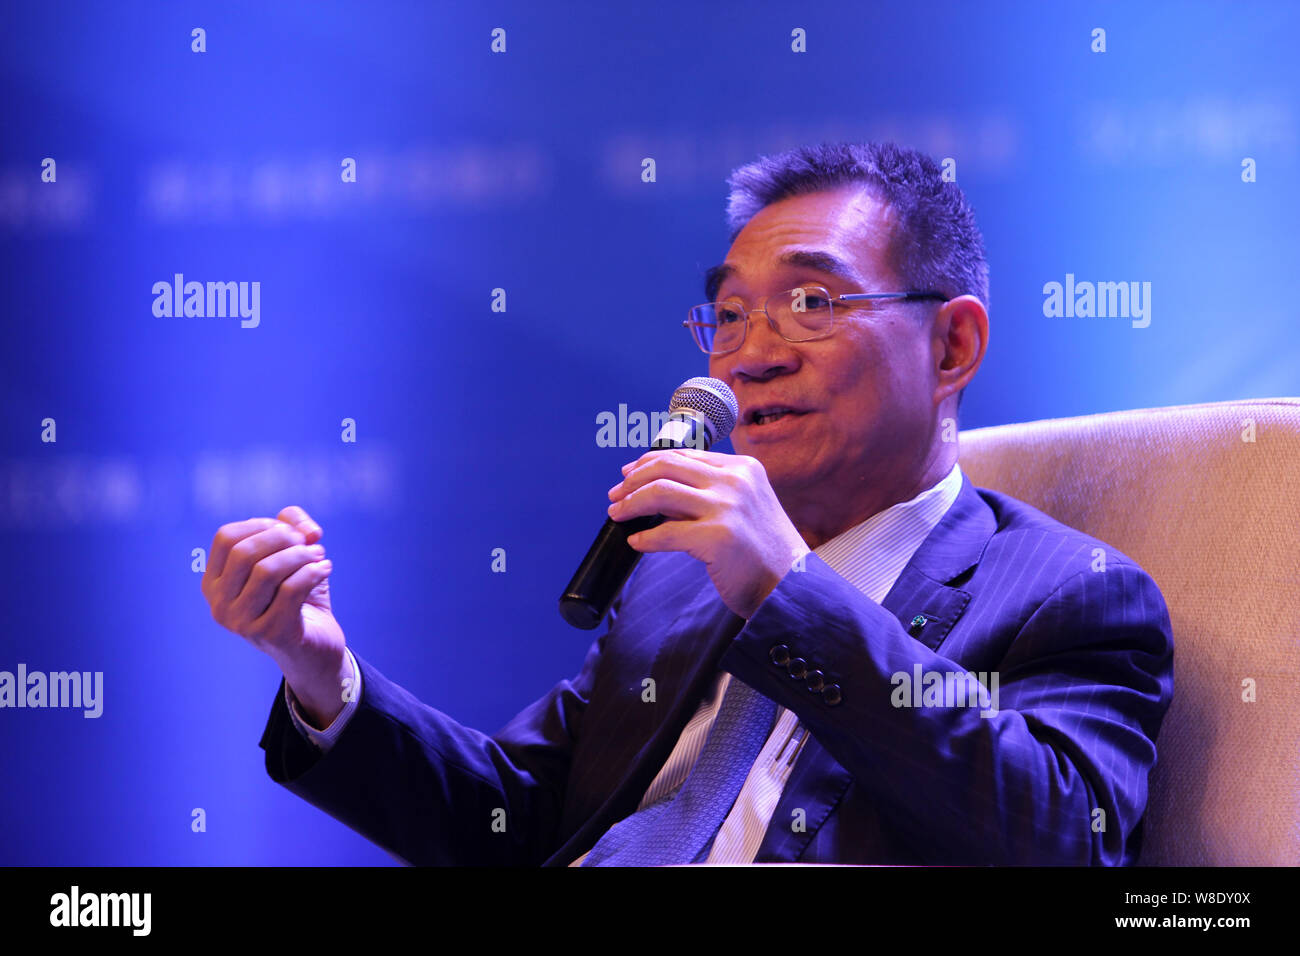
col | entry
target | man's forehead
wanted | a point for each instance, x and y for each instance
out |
(845, 234)
(849, 223)
(792, 260)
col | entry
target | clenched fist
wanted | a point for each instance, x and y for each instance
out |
(268, 581)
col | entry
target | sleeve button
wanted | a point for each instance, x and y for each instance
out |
(816, 681)
(780, 655)
(831, 694)
(798, 668)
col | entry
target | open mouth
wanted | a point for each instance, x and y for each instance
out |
(767, 416)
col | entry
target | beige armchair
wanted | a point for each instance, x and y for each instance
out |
(1207, 499)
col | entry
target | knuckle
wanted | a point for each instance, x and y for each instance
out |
(304, 579)
(261, 572)
(291, 598)
(280, 601)
(287, 588)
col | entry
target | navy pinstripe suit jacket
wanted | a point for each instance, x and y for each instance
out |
(1057, 776)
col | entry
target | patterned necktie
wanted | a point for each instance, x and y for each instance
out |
(682, 826)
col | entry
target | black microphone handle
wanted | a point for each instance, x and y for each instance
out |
(604, 570)
(610, 559)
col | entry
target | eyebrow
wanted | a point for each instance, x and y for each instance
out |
(804, 258)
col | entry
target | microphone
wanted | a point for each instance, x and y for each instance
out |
(703, 411)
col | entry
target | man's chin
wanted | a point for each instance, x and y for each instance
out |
(786, 478)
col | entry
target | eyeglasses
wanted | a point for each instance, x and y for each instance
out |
(797, 315)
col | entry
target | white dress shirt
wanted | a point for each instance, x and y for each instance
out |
(870, 556)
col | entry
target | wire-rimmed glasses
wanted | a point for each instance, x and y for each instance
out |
(798, 315)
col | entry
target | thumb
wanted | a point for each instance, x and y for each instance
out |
(319, 596)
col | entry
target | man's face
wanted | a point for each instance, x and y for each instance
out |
(866, 393)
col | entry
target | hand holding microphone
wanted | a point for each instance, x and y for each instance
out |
(701, 413)
(720, 509)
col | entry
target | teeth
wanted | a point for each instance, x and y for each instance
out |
(770, 416)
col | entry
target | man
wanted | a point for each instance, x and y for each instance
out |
(776, 682)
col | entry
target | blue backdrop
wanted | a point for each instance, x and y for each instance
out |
(476, 429)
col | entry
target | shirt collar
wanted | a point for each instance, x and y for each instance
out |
(872, 554)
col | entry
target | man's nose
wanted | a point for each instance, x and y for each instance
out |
(764, 352)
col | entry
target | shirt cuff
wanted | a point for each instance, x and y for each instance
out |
(324, 739)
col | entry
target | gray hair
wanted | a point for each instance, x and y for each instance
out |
(936, 244)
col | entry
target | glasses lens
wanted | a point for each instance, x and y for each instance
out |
(718, 326)
(803, 313)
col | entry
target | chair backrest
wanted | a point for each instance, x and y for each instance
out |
(1206, 498)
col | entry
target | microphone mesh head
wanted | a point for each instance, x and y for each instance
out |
(713, 399)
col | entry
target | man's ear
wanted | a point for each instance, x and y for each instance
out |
(960, 337)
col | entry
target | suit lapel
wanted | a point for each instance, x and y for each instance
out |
(684, 670)
(926, 586)
(958, 541)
